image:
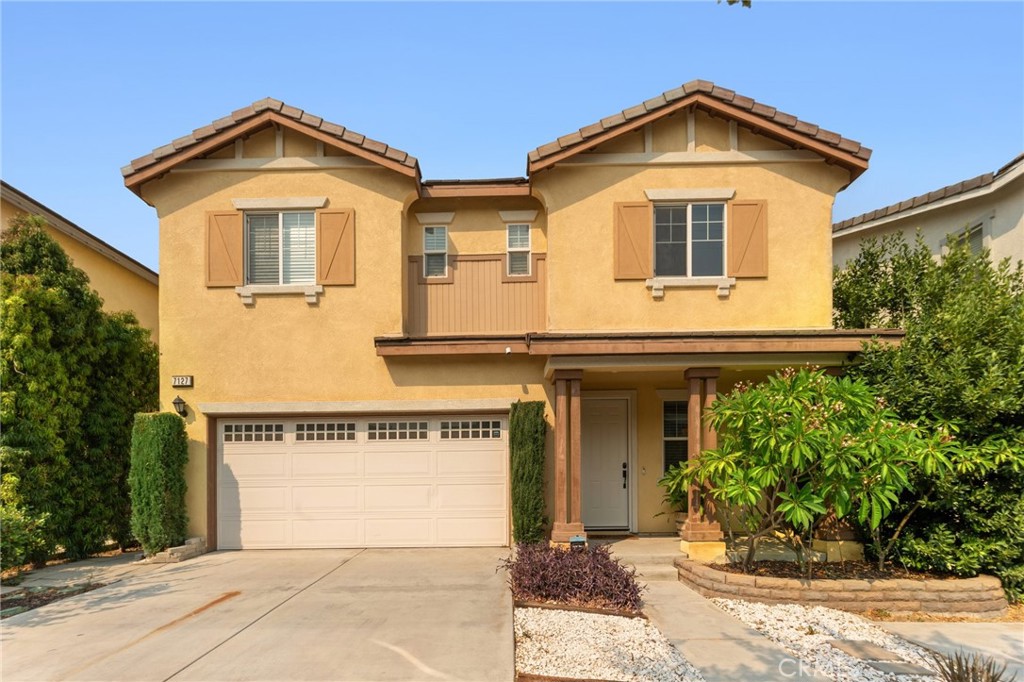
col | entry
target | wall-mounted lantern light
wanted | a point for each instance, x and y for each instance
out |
(179, 406)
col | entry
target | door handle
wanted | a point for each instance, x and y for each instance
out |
(625, 473)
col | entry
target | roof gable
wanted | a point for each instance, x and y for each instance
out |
(258, 115)
(705, 95)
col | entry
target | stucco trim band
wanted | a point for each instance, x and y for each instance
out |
(279, 203)
(359, 407)
(691, 194)
(436, 218)
(517, 216)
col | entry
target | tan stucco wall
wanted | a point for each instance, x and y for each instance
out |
(1002, 212)
(120, 288)
(583, 294)
(477, 227)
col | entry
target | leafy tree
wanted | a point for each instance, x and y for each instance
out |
(72, 378)
(803, 445)
(961, 363)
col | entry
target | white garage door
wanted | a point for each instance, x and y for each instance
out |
(366, 482)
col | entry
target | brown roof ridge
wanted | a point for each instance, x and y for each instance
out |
(708, 89)
(983, 180)
(278, 108)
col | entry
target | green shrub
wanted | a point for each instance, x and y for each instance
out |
(72, 378)
(961, 363)
(22, 535)
(527, 430)
(157, 481)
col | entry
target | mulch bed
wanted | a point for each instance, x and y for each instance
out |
(851, 570)
(33, 598)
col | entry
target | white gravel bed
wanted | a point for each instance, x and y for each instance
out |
(590, 646)
(807, 633)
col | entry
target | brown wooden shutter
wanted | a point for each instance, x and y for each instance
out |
(336, 247)
(224, 249)
(634, 234)
(748, 239)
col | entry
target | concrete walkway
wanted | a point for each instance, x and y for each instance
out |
(1003, 642)
(720, 646)
(424, 614)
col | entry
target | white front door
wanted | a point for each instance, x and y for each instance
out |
(605, 463)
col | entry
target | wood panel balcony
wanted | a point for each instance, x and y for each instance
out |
(476, 297)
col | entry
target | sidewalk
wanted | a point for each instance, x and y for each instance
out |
(106, 570)
(1003, 642)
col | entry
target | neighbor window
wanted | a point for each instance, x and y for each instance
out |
(974, 237)
(518, 249)
(435, 251)
(674, 432)
(689, 240)
(281, 248)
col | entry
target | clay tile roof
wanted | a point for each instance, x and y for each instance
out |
(724, 95)
(953, 190)
(268, 104)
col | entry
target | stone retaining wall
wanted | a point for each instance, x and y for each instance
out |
(980, 597)
(192, 548)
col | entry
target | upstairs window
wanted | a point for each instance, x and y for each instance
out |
(280, 248)
(435, 251)
(518, 244)
(689, 240)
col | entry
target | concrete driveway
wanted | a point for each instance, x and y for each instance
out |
(375, 614)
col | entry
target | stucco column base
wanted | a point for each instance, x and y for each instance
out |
(563, 532)
(699, 530)
(840, 550)
(704, 552)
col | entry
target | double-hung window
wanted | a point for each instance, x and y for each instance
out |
(280, 248)
(675, 433)
(435, 251)
(689, 240)
(518, 244)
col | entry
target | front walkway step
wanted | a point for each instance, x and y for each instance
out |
(656, 572)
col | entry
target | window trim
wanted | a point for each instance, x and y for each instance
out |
(435, 252)
(261, 287)
(723, 283)
(528, 250)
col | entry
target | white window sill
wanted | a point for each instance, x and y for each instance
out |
(657, 285)
(250, 291)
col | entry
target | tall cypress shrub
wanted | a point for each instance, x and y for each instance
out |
(157, 481)
(527, 430)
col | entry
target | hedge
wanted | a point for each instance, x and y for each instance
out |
(527, 430)
(157, 481)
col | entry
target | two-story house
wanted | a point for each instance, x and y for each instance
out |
(356, 335)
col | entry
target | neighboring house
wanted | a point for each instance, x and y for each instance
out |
(121, 281)
(988, 210)
(356, 335)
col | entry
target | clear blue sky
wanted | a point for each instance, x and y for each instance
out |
(936, 89)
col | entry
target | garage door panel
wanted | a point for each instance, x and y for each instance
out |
(470, 463)
(433, 487)
(331, 532)
(328, 498)
(320, 464)
(471, 531)
(474, 496)
(379, 462)
(411, 532)
(396, 497)
(264, 533)
(262, 499)
(262, 464)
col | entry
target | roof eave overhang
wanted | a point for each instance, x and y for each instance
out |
(134, 181)
(722, 343)
(855, 165)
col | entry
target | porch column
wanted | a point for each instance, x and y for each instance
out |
(700, 527)
(568, 410)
